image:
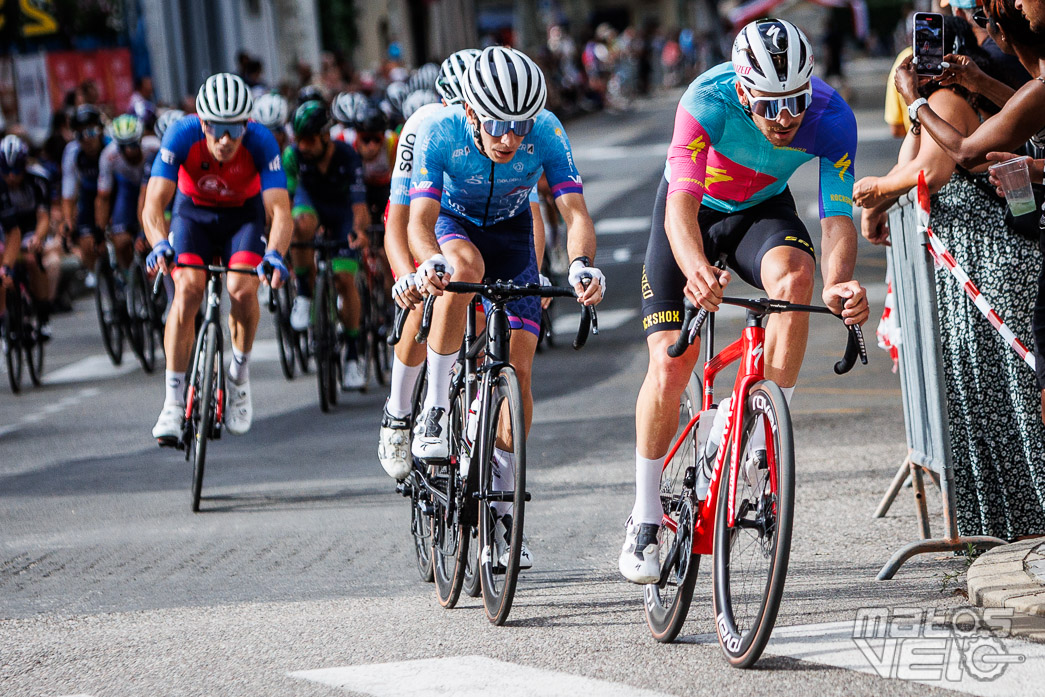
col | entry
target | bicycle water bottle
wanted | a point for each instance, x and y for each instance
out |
(471, 429)
(709, 445)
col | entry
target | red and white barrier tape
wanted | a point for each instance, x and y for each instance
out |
(944, 258)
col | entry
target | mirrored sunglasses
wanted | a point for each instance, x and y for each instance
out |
(499, 128)
(219, 130)
(770, 107)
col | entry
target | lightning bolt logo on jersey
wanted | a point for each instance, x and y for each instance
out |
(719, 156)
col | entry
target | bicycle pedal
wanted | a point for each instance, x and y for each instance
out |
(169, 442)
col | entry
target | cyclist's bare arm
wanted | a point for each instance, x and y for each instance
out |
(838, 262)
(424, 212)
(580, 238)
(538, 232)
(43, 227)
(277, 209)
(397, 245)
(101, 209)
(13, 247)
(360, 221)
(705, 284)
(158, 194)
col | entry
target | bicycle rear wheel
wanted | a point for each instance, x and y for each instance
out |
(32, 343)
(12, 339)
(507, 427)
(286, 339)
(325, 345)
(449, 536)
(751, 558)
(140, 320)
(204, 408)
(472, 586)
(108, 309)
(668, 601)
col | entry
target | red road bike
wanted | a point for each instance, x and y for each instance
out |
(745, 518)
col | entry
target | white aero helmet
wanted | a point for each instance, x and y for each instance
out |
(271, 111)
(166, 119)
(772, 55)
(225, 98)
(451, 75)
(504, 84)
(416, 100)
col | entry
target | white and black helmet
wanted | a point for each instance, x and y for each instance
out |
(271, 111)
(424, 77)
(13, 153)
(166, 119)
(416, 100)
(504, 84)
(772, 55)
(451, 74)
(224, 97)
(348, 106)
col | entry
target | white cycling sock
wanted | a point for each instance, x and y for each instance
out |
(239, 371)
(404, 378)
(647, 508)
(175, 381)
(439, 369)
(503, 478)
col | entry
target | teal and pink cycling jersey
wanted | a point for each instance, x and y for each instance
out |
(718, 155)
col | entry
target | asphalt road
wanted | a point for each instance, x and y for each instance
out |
(297, 576)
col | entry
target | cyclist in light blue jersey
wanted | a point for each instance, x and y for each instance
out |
(484, 158)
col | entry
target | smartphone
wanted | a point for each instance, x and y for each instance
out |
(928, 43)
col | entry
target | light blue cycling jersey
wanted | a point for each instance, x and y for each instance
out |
(449, 168)
(718, 155)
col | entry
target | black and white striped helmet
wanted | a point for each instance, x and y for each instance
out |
(772, 55)
(271, 111)
(416, 100)
(504, 84)
(224, 97)
(424, 77)
(451, 75)
(348, 106)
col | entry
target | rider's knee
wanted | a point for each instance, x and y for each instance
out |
(795, 285)
(468, 264)
(305, 225)
(668, 375)
(243, 292)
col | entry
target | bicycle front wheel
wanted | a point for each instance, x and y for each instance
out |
(667, 601)
(108, 309)
(325, 345)
(501, 503)
(204, 408)
(449, 536)
(751, 557)
(12, 338)
(286, 340)
(33, 344)
(140, 320)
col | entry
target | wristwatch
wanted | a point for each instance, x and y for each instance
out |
(912, 110)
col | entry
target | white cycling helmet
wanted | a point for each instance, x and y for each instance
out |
(416, 100)
(166, 119)
(348, 106)
(772, 55)
(13, 153)
(451, 74)
(504, 84)
(271, 111)
(424, 77)
(224, 98)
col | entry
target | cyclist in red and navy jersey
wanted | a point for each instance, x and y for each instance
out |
(225, 174)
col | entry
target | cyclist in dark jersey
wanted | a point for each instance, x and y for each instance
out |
(325, 178)
(25, 220)
(80, 183)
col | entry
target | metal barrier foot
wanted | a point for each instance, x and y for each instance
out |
(909, 550)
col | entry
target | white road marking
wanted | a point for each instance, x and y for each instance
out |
(620, 226)
(464, 676)
(621, 255)
(925, 660)
(90, 369)
(565, 325)
(49, 410)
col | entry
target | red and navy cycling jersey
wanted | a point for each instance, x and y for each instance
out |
(184, 158)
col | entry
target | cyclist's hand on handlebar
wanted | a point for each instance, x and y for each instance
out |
(434, 274)
(593, 293)
(706, 286)
(848, 299)
(405, 292)
(545, 282)
(157, 259)
(272, 263)
(359, 240)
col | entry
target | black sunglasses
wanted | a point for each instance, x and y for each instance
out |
(981, 18)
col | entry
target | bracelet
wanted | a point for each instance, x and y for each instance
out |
(912, 110)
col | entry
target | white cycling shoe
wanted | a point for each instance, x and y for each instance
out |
(501, 535)
(300, 313)
(168, 427)
(353, 377)
(431, 437)
(393, 447)
(239, 411)
(640, 556)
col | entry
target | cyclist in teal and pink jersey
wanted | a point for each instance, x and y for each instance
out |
(741, 131)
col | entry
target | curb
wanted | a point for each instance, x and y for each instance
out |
(1009, 577)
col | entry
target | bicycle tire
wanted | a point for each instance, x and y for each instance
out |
(13, 354)
(449, 536)
(32, 344)
(380, 351)
(472, 586)
(498, 586)
(422, 535)
(204, 409)
(364, 349)
(140, 321)
(743, 637)
(108, 310)
(286, 341)
(324, 344)
(667, 602)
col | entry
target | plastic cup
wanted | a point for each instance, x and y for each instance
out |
(1014, 176)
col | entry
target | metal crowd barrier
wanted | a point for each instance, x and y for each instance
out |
(923, 389)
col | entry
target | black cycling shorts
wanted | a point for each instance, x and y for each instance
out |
(743, 238)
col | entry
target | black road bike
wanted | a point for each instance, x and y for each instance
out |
(23, 343)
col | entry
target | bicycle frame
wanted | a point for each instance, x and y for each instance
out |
(749, 349)
(211, 316)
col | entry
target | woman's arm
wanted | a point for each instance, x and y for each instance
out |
(962, 71)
